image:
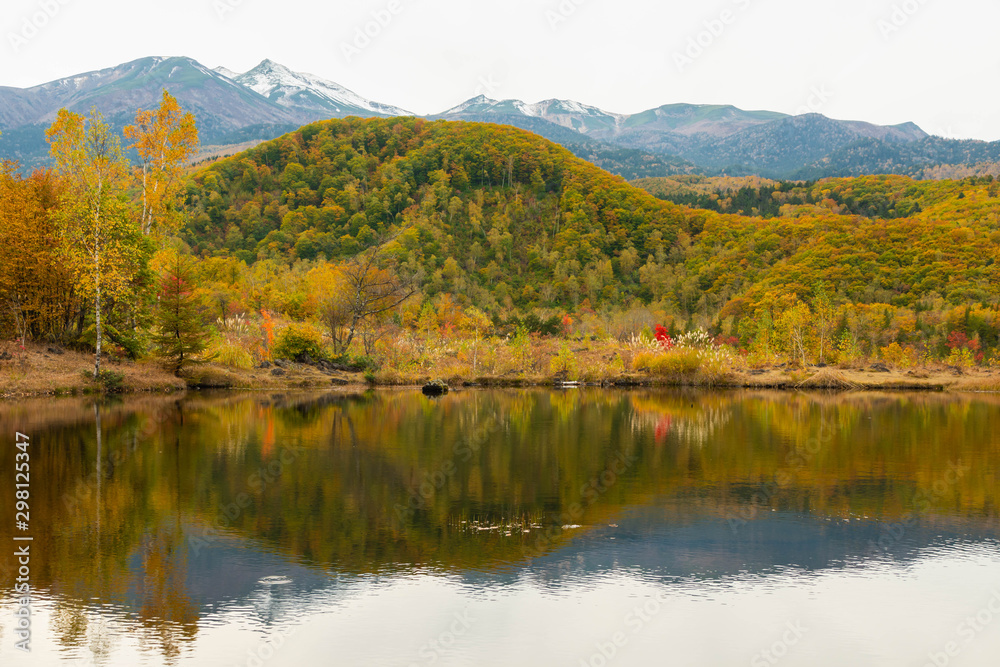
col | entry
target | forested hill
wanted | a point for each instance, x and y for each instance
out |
(506, 220)
(491, 212)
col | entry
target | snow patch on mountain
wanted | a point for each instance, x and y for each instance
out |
(479, 100)
(287, 88)
(566, 113)
(226, 72)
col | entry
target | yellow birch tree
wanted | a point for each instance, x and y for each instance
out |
(100, 237)
(164, 138)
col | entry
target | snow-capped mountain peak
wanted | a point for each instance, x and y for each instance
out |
(478, 102)
(306, 91)
(226, 72)
(566, 113)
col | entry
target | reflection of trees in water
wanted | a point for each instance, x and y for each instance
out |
(70, 624)
(681, 421)
(166, 611)
(96, 633)
(322, 477)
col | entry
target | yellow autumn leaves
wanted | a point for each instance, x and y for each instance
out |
(107, 207)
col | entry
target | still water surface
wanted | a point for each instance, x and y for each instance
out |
(521, 527)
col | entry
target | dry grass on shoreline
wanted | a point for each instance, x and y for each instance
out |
(41, 370)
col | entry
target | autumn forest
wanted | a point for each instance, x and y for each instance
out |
(404, 249)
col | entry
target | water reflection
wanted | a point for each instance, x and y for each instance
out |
(209, 528)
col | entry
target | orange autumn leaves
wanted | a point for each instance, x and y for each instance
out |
(37, 298)
(75, 238)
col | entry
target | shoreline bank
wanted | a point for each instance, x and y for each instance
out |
(48, 373)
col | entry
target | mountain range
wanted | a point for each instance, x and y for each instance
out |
(270, 100)
(230, 108)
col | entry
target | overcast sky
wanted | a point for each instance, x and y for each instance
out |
(886, 61)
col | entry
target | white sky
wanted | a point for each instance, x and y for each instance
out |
(939, 69)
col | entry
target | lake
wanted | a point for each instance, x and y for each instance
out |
(509, 527)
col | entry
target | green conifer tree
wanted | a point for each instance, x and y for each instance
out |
(181, 334)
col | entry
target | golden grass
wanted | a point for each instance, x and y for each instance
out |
(667, 364)
(231, 355)
(984, 381)
(687, 366)
(495, 362)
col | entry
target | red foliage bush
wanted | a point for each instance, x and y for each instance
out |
(663, 338)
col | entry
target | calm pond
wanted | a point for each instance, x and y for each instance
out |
(515, 527)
